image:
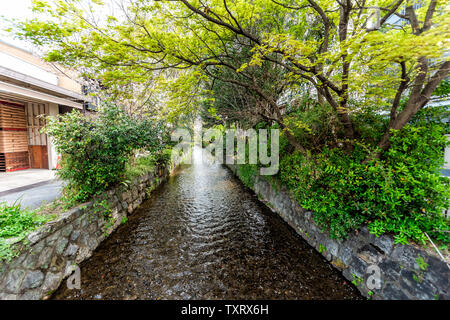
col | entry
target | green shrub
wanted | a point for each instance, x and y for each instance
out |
(96, 150)
(402, 193)
(16, 223)
(140, 166)
(145, 164)
(163, 157)
(247, 174)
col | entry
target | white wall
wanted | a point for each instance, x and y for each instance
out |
(53, 110)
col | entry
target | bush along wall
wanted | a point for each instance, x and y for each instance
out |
(47, 256)
(378, 267)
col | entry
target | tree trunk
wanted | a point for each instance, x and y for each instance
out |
(418, 99)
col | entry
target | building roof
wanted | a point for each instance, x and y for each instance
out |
(27, 75)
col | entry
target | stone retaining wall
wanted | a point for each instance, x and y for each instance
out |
(405, 271)
(48, 254)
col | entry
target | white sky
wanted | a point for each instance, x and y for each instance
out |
(21, 10)
(14, 9)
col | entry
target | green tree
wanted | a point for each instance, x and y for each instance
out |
(94, 151)
(325, 45)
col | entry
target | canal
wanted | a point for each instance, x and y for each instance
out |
(203, 235)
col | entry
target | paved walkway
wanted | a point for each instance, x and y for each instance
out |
(23, 178)
(31, 188)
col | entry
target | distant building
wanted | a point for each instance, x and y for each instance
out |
(30, 87)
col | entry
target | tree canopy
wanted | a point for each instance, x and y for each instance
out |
(377, 56)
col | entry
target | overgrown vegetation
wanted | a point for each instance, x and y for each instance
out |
(95, 151)
(16, 224)
(144, 164)
(139, 166)
(247, 174)
(402, 193)
(97, 154)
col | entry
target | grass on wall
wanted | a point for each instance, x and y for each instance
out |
(15, 224)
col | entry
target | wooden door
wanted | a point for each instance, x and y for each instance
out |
(37, 141)
(38, 157)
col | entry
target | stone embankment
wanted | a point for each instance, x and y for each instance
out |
(378, 267)
(48, 255)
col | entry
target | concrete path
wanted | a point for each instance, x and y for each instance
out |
(35, 196)
(22, 178)
(31, 188)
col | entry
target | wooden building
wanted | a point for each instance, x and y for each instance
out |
(30, 89)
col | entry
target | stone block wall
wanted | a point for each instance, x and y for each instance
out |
(402, 271)
(48, 254)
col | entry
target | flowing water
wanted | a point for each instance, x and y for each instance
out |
(202, 235)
